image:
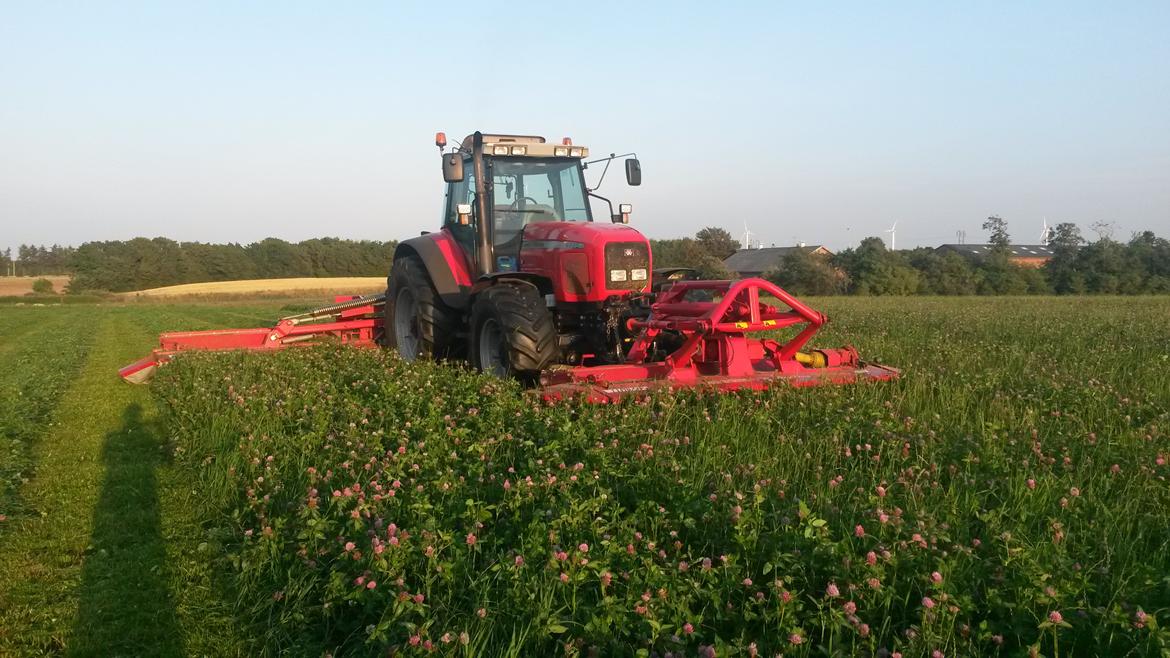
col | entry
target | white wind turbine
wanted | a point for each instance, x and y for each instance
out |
(750, 241)
(893, 231)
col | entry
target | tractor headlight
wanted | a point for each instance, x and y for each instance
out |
(627, 265)
(577, 152)
(561, 151)
(499, 150)
(519, 150)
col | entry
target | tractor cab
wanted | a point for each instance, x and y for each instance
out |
(498, 185)
(526, 181)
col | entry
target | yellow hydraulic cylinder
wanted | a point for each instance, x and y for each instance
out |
(812, 359)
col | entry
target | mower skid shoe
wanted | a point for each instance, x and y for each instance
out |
(140, 371)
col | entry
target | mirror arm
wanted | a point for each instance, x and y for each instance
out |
(611, 158)
(603, 171)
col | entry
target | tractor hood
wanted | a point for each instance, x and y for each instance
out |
(587, 261)
(581, 232)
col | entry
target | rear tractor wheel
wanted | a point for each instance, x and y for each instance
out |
(418, 324)
(513, 334)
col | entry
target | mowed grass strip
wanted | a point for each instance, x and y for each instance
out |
(54, 563)
(110, 566)
(40, 353)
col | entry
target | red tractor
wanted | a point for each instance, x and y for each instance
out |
(520, 278)
(522, 282)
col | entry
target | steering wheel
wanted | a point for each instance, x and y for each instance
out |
(516, 204)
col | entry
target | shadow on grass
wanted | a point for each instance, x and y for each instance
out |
(125, 606)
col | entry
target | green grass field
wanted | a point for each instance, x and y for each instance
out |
(1007, 495)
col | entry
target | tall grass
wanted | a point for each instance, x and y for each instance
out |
(1007, 495)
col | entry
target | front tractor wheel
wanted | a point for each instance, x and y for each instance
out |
(512, 332)
(418, 324)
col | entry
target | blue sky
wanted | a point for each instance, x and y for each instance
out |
(228, 121)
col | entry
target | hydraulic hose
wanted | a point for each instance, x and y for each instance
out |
(334, 309)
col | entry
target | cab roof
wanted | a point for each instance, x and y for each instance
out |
(535, 145)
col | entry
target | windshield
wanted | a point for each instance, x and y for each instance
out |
(538, 190)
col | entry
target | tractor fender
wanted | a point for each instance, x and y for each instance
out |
(665, 277)
(541, 283)
(447, 268)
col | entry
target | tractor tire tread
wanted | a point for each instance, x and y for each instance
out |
(438, 323)
(527, 324)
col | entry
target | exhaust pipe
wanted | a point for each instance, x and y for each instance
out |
(485, 236)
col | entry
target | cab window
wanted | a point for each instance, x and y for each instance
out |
(461, 192)
(572, 195)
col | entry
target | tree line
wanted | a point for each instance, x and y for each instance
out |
(32, 260)
(1141, 265)
(141, 263)
(1078, 266)
(1103, 266)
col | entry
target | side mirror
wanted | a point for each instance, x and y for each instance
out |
(633, 172)
(452, 168)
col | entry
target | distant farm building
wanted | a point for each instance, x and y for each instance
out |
(754, 262)
(1024, 255)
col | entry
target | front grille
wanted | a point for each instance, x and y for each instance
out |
(626, 256)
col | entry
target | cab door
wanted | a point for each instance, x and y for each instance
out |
(462, 192)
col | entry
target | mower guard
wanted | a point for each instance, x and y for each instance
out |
(605, 385)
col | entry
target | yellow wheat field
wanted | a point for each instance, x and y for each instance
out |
(20, 285)
(344, 284)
